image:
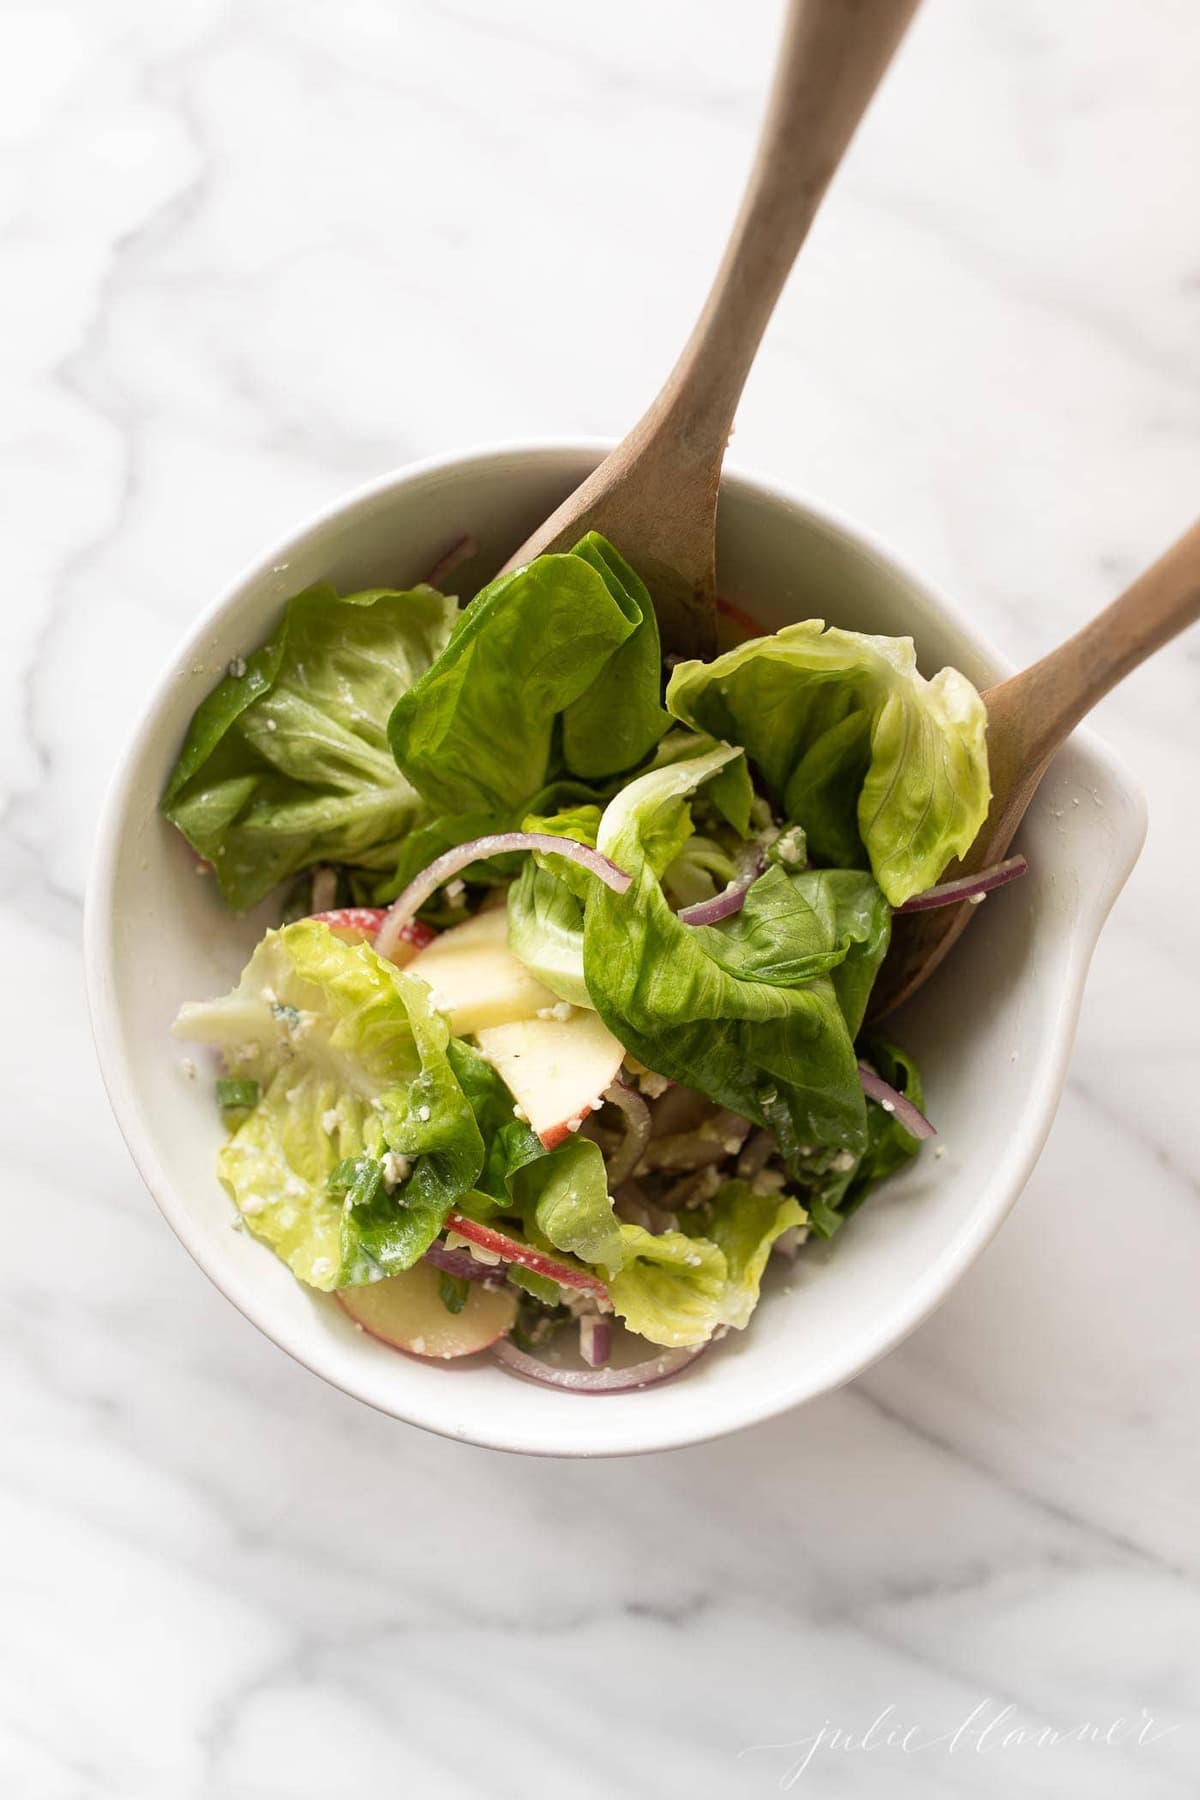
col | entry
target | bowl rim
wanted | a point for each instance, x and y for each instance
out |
(995, 1200)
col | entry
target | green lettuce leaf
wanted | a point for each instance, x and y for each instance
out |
(744, 1226)
(780, 1056)
(287, 764)
(563, 633)
(881, 767)
(564, 1201)
(352, 1064)
(796, 925)
(834, 1189)
(670, 1288)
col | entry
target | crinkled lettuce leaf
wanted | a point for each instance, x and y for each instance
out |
(287, 763)
(881, 767)
(678, 1288)
(352, 1062)
(780, 1056)
(567, 642)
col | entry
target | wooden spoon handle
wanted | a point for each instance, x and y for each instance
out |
(655, 496)
(1035, 711)
(831, 60)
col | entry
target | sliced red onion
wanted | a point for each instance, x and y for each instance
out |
(595, 1340)
(463, 1265)
(459, 551)
(730, 900)
(628, 1154)
(891, 1100)
(499, 843)
(597, 1381)
(967, 887)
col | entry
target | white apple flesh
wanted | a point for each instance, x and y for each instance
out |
(407, 1312)
(476, 979)
(555, 1069)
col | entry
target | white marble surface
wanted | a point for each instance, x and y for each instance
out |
(254, 252)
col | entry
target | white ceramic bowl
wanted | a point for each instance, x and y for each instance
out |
(992, 1031)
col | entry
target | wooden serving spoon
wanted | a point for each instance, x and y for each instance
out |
(1030, 716)
(655, 495)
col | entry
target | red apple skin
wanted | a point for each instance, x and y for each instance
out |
(511, 1250)
(554, 1135)
(353, 923)
(406, 1310)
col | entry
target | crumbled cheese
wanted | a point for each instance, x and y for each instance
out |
(253, 1203)
(424, 1114)
(731, 1145)
(560, 1012)
(456, 891)
(790, 846)
(330, 1121)
(418, 1346)
(653, 1085)
(843, 1162)
(768, 1181)
(575, 1122)
(237, 667)
(295, 1188)
(188, 1067)
(520, 1113)
(271, 725)
(976, 899)
(395, 1169)
(293, 1093)
(692, 1259)
(596, 1104)
(322, 1267)
(888, 1106)
(375, 1273)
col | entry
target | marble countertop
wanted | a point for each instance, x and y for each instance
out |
(256, 253)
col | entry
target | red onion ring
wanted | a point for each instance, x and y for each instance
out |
(891, 1100)
(597, 1381)
(628, 1154)
(409, 903)
(595, 1340)
(730, 900)
(967, 887)
(463, 1265)
(511, 1250)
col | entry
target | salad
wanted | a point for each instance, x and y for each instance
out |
(560, 1037)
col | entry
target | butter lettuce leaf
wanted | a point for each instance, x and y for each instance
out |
(352, 1064)
(883, 768)
(287, 762)
(567, 643)
(781, 1056)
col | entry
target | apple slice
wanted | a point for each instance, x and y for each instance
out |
(354, 923)
(406, 1311)
(475, 977)
(556, 1069)
(512, 1250)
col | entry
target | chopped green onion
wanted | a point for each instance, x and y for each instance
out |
(452, 1291)
(360, 1178)
(237, 1093)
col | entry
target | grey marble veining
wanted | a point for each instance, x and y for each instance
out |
(254, 254)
